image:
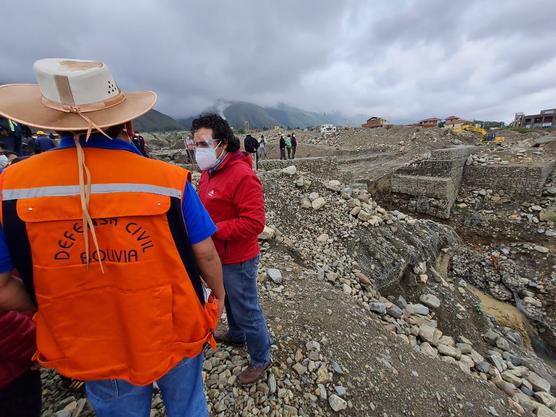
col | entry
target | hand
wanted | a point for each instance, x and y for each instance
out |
(220, 306)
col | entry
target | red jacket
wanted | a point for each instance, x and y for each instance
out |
(17, 345)
(233, 196)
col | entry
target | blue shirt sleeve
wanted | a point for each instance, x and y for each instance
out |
(197, 220)
(5, 260)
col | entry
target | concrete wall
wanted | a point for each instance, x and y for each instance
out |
(434, 168)
(518, 180)
(434, 187)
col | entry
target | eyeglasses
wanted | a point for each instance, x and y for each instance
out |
(207, 142)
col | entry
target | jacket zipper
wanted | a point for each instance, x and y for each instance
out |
(225, 248)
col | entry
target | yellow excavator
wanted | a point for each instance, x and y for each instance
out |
(486, 136)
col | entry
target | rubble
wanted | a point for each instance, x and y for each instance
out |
(370, 302)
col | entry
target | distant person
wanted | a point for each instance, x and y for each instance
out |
(261, 151)
(190, 149)
(294, 145)
(289, 146)
(139, 142)
(251, 146)
(43, 142)
(4, 160)
(233, 196)
(7, 134)
(282, 148)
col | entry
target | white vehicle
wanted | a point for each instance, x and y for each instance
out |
(327, 129)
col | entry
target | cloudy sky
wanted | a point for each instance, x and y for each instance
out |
(400, 59)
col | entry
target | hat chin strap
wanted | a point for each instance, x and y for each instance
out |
(85, 188)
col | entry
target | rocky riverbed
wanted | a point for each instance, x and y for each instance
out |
(375, 312)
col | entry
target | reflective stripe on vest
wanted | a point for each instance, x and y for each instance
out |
(71, 190)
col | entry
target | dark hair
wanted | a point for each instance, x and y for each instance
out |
(221, 130)
(112, 131)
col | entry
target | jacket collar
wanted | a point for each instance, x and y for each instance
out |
(97, 140)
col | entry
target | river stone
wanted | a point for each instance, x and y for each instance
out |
(511, 378)
(465, 348)
(289, 411)
(476, 356)
(275, 275)
(291, 170)
(337, 403)
(526, 402)
(449, 351)
(430, 300)
(313, 196)
(417, 309)
(364, 216)
(272, 383)
(306, 203)
(546, 399)
(379, 308)
(334, 185)
(318, 203)
(509, 389)
(497, 361)
(544, 411)
(355, 211)
(428, 350)
(502, 344)
(394, 311)
(490, 336)
(429, 334)
(483, 366)
(538, 383)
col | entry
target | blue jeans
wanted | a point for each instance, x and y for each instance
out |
(246, 321)
(182, 392)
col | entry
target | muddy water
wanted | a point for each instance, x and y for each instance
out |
(504, 313)
(509, 316)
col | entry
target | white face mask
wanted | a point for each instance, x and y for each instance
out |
(206, 158)
(3, 161)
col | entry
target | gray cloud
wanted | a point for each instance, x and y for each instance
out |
(403, 59)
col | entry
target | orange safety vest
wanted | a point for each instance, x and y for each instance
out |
(147, 311)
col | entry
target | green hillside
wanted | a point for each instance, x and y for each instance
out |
(155, 121)
(239, 113)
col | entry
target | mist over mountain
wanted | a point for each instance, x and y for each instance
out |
(244, 115)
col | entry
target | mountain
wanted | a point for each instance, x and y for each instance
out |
(155, 121)
(240, 114)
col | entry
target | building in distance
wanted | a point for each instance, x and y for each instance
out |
(430, 122)
(452, 122)
(375, 122)
(545, 119)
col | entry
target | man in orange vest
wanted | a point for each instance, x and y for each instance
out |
(112, 247)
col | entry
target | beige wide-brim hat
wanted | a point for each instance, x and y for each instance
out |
(72, 95)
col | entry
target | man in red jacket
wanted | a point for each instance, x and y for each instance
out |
(233, 195)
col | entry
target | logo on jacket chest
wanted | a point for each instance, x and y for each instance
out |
(211, 193)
